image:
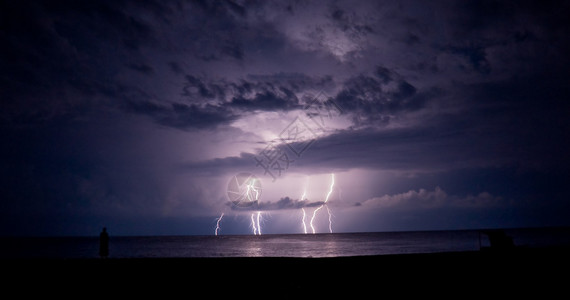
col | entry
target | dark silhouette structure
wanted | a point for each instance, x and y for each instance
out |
(104, 243)
(498, 239)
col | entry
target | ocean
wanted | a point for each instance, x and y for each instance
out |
(275, 245)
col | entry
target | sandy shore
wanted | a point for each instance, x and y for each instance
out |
(521, 271)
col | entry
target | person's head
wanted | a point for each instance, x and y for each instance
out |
(104, 229)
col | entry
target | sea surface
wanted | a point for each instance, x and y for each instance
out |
(274, 245)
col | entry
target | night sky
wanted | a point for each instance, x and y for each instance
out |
(135, 115)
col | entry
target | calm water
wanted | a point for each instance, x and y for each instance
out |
(275, 245)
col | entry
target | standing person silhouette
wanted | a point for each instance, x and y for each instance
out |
(104, 243)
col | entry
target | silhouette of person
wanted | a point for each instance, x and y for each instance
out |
(104, 243)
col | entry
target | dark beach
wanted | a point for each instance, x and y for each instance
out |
(519, 271)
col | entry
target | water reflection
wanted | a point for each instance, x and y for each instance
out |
(253, 246)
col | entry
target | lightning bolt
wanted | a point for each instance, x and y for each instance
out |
(303, 197)
(303, 220)
(218, 223)
(313, 218)
(250, 187)
(331, 188)
(255, 223)
(258, 224)
(253, 226)
(330, 218)
(327, 199)
(321, 206)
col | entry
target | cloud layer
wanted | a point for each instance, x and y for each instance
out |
(422, 199)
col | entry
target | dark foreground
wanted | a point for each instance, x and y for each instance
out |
(525, 272)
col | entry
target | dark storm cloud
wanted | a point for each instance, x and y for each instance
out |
(476, 56)
(143, 68)
(85, 45)
(492, 125)
(55, 50)
(63, 57)
(374, 97)
(219, 166)
(495, 124)
(198, 88)
(384, 149)
(284, 203)
(175, 67)
(218, 102)
(88, 50)
(182, 116)
(529, 32)
(349, 22)
(283, 99)
(478, 20)
(255, 92)
(202, 88)
(222, 21)
(433, 199)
